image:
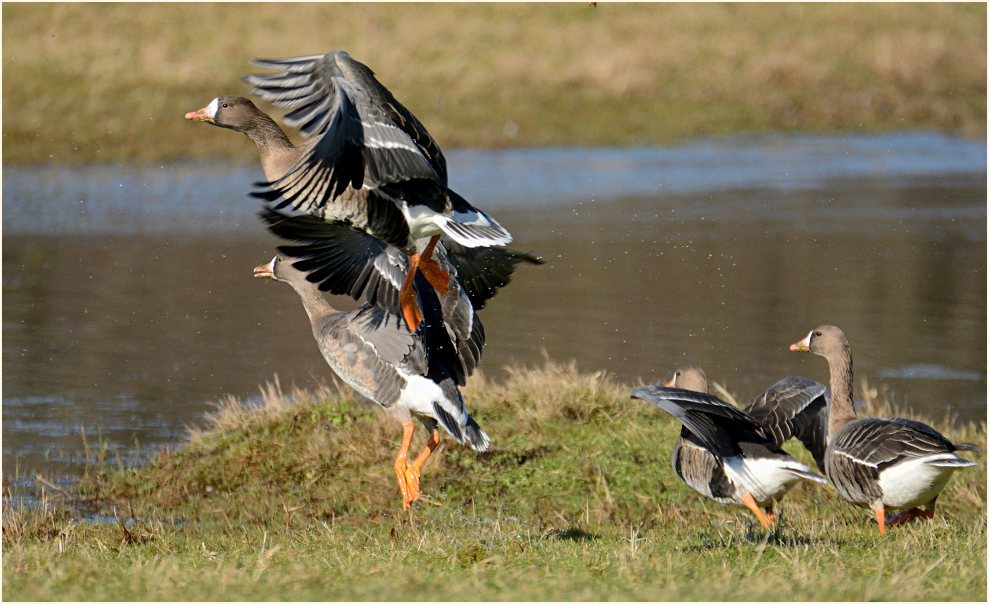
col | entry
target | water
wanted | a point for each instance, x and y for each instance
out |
(129, 307)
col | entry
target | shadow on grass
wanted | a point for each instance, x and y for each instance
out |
(572, 533)
(714, 539)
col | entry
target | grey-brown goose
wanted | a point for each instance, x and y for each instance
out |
(374, 352)
(370, 164)
(722, 453)
(875, 462)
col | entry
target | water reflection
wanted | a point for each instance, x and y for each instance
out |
(129, 304)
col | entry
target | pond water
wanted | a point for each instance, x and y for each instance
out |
(129, 305)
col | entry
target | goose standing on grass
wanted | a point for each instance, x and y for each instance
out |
(374, 352)
(369, 163)
(879, 462)
(722, 453)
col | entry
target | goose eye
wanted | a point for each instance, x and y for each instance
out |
(817, 333)
(224, 105)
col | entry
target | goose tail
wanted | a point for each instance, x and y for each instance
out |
(475, 229)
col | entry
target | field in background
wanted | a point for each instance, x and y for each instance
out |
(575, 500)
(111, 82)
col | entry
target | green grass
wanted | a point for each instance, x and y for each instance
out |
(86, 82)
(575, 500)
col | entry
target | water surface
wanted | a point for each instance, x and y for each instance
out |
(129, 305)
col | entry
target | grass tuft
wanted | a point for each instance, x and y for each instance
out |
(39, 520)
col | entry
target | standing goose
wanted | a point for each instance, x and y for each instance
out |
(722, 453)
(879, 462)
(374, 353)
(370, 164)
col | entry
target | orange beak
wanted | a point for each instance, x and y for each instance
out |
(200, 115)
(265, 271)
(802, 345)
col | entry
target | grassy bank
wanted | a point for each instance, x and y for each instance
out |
(575, 500)
(111, 82)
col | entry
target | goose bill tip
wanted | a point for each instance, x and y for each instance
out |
(803, 345)
(265, 271)
(200, 115)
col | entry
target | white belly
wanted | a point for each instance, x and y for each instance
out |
(914, 482)
(423, 221)
(766, 479)
(419, 394)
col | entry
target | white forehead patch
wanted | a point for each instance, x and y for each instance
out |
(212, 107)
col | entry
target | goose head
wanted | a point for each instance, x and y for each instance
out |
(827, 341)
(234, 112)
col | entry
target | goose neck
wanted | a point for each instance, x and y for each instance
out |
(842, 408)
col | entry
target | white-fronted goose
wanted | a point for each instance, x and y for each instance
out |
(722, 453)
(879, 462)
(374, 352)
(370, 164)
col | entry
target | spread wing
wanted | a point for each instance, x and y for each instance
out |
(347, 261)
(794, 407)
(342, 260)
(482, 271)
(717, 426)
(366, 138)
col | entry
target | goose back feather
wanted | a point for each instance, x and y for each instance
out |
(914, 459)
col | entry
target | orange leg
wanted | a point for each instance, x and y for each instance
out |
(407, 296)
(771, 515)
(750, 503)
(881, 519)
(908, 515)
(436, 276)
(402, 464)
(413, 471)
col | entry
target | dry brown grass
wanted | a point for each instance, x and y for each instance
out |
(554, 390)
(41, 518)
(106, 82)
